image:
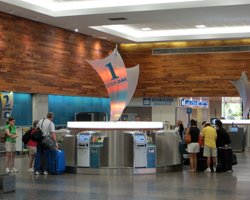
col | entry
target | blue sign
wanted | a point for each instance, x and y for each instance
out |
(194, 103)
(189, 110)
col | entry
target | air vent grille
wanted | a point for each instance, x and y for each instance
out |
(191, 50)
(117, 19)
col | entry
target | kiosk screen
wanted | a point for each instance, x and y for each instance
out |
(140, 138)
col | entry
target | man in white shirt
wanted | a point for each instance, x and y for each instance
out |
(48, 128)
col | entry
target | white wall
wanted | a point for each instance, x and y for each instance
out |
(159, 112)
(39, 106)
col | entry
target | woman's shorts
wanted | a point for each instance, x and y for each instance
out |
(193, 147)
(32, 150)
(10, 147)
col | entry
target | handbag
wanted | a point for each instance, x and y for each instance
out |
(201, 141)
(3, 136)
(48, 142)
(187, 138)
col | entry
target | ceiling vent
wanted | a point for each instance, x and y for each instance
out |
(117, 19)
(192, 50)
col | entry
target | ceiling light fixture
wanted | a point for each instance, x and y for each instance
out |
(76, 30)
(134, 34)
(146, 29)
(73, 5)
(201, 26)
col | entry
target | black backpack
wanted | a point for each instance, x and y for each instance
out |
(26, 137)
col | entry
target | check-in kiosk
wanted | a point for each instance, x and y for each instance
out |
(83, 149)
(135, 149)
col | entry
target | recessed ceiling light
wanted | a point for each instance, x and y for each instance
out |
(146, 29)
(201, 26)
(76, 30)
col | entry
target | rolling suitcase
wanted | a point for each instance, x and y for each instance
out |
(225, 157)
(201, 161)
(55, 161)
(37, 163)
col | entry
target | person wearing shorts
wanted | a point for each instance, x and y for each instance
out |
(209, 136)
(193, 147)
(10, 145)
(32, 147)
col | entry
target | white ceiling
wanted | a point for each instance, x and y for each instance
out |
(169, 20)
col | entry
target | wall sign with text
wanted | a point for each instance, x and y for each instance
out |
(194, 103)
(157, 101)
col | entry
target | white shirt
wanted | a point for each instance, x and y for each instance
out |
(46, 126)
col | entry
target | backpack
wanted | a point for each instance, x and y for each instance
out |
(3, 136)
(26, 137)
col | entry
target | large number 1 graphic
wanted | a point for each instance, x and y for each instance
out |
(111, 69)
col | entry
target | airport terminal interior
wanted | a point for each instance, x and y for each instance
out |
(119, 79)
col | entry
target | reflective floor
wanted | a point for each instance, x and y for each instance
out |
(172, 185)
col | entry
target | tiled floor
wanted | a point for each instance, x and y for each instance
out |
(173, 185)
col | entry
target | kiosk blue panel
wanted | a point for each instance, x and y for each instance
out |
(151, 156)
(94, 157)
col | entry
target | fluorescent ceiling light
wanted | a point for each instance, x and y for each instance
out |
(201, 26)
(146, 29)
(76, 5)
(136, 33)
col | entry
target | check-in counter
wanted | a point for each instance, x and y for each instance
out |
(121, 152)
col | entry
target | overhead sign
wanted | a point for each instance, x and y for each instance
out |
(189, 110)
(157, 101)
(7, 106)
(194, 103)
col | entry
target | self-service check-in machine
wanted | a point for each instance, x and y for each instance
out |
(92, 150)
(135, 149)
(83, 149)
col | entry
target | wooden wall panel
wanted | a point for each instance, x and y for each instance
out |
(38, 58)
(190, 75)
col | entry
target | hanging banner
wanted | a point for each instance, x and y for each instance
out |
(119, 81)
(7, 103)
(243, 87)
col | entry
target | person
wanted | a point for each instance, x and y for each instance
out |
(179, 129)
(193, 147)
(10, 145)
(48, 128)
(223, 138)
(32, 147)
(137, 118)
(209, 137)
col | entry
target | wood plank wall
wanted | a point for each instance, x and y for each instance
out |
(38, 58)
(192, 75)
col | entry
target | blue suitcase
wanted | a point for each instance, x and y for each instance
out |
(55, 161)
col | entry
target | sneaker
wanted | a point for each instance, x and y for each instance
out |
(37, 173)
(208, 170)
(45, 173)
(30, 170)
(7, 170)
(14, 170)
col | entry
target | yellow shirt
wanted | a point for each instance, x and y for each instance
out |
(209, 134)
